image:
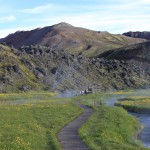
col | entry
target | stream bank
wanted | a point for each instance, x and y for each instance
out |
(144, 120)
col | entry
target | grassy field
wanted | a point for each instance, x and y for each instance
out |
(139, 104)
(31, 121)
(93, 99)
(109, 128)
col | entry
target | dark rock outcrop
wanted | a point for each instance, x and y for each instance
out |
(138, 34)
(62, 71)
(138, 54)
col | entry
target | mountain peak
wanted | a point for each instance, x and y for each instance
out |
(72, 39)
(63, 24)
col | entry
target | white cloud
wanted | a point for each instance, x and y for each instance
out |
(117, 17)
(9, 18)
(100, 21)
(38, 9)
(5, 32)
(142, 2)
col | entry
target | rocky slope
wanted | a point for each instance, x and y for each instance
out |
(138, 34)
(15, 76)
(138, 54)
(34, 67)
(72, 39)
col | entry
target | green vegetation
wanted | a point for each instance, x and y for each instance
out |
(93, 99)
(41, 68)
(32, 120)
(140, 104)
(15, 76)
(109, 128)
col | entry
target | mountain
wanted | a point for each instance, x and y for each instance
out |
(73, 40)
(62, 57)
(138, 54)
(43, 68)
(137, 34)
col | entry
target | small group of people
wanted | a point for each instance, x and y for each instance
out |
(87, 91)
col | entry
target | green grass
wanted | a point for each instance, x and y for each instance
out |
(109, 128)
(33, 123)
(139, 104)
(16, 79)
(27, 97)
(93, 99)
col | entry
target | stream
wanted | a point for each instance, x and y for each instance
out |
(144, 119)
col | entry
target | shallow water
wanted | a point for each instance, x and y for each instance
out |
(144, 136)
(144, 119)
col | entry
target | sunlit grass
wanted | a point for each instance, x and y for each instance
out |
(109, 128)
(93, 99)
(140, 104)
(122, 92)
(30, 121)
(23, 98)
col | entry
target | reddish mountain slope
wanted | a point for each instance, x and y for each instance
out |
(71, 39)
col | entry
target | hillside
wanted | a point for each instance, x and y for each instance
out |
(138, 34)
(63, 57)
(72, 39)
(139, 54)
(15, 76)
(39, 67)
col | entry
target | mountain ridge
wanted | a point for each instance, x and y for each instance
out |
(138, 54)
(74, 40)
(138, 34)
(63, 57)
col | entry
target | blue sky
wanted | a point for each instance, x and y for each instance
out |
(115, 16)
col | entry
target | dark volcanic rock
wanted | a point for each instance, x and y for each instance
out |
(34, 67)
(137, 34)
(138, 54)
(62, 71)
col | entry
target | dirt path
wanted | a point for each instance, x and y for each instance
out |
(68, 136)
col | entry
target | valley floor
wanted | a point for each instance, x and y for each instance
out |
(32, 121)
